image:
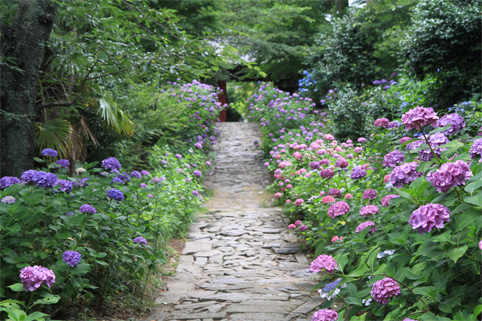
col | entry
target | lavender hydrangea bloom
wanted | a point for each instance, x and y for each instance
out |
(65, 185)
(338, 209)
(381, 122)
(368, 210)
(327, 173)
(49, 152)
(384, 290)
(326, 262)
(8, 199)
(435, 140)
(111, 163)
(335, 192)
(115, 194)
(362, 140)
(358, 172)
(87, 208)
(386, 200)
(419, 117)
(72, 258)
(325, 315)
(69, 214)
(136, 174)
(364, 225)
(455, 121)
(404, 174)
(8, 181)
(414, 145)
(140, 240)
(394, 158)
(476, 149)
(393, 124)
(156, 180)
(195, 193)
(429, 216)
(369, 194)
(33, 277)
(302, 228)
(29, 176)
(315, 165)
(121, 178)
(341, 162)
(450, 175)
(178, 156)
(145, 173)
(197, 173)
(46, 179)
(63, 162)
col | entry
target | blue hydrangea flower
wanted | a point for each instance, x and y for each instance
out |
(136, 174)
(8, 181)
(115, 194)
(140, 240)
(49, 152)
(72, 258)
(65, 185)
(46, 179)
(63, 162)
(111, 163)
(87, 208)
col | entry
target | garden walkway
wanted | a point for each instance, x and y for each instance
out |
(239, 262)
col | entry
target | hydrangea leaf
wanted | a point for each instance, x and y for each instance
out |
(17, 287)
(457, 253)
(352, 300)
(476, 199)
(48, 299)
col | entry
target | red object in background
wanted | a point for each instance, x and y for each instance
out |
(223, 99)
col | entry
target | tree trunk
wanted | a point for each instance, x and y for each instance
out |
(24, 42)
(341, 6)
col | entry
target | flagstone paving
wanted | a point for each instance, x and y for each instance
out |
(239, 262)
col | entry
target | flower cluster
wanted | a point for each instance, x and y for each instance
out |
(368, 210)
(65, 185)
(115, 194)
(455, 121)
(364, 225)
(384, 290)
(328, 199)
(8, 181)
(369, 194)
(63, 162)
(324, 261)
(140, 240)
(46, 179)
(394, 158)
(338, 209)
(428, 216)
(382, 122)
(197, 173)
(111, 163)
(87, 208)
(325, 315)
(33, 277)
(136, 174)
(476, 149)
(358, 172)
(341, 162)
(327, 173)
(335, 192)
(435, 140)
(450, 175)
(72, 258)
(8, 199)
(404, 174)
(419, 117)
(386, 200)
(49, 152)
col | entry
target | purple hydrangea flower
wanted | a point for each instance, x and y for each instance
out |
(476, 149)
(384, 290)
(414, 145)
(327, 173)
(435, 140)
(72, 258)
(208, 163)
(143, 185)
(65, 185)
(364, 225)
(369, 194)
(111, 163)
(427, 216)
(8, 181)
(382, 122)
(394, 158)
(368, 210)
(419, 117)
(386, 200)
(136, 174)
(46, 179)
(69, 214)
(404, 174)
(357, 150)
(362, 140)
(326, 262)
(341, 162)
(8, 199)
(87, 208)
(49, 152)
(335, 192)
(140, 240)
(325, 315)
(195, 193)
(338, 209)
(178, 156)
(455, 121)
(164, 162)
(197, 173)
(358, 172)
(33, 277)
(156, 180)
(393, 124)
(315, 165)
(121, 178)
(302, 228)
(115, 194)
(450, 175)
(145, 173)
(63, 162)
(198, 145)
(29, 176)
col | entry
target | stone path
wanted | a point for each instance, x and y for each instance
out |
(240, 262)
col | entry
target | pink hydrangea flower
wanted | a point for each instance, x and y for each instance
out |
(455, 121)
(328, 137)
(429, 216)
(348, 196)
(419, 117)
(328, 199)
(325, 315)
(358, 150)
(404, 139)
(298, 223)
(384, 290)
(450, 175)
(394, 158)
(435, 140)
(476, 149)
(288, 201)
(33, 277)
(326, 262)
(386, 178)
(291, 226)
(327, 173)
(335, 192)
(364, 225)
(298, 202)
(369, 194)
(297, 155)
(386, 200)
(338, 209)
(341, 162)
(382, 122)
(362, 140)
(480, 245)
(336, 238)
(404, 174)
(277, 195)
(368, 210)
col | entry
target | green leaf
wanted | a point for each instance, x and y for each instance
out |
(457, 253)
(361, 269)
(48, 299)
(467, 218)
(359, 318)
(36, 316)
(341, 261)
(470, 188)
(477, 311)
(475, 200)
(353, 300)
(17, 287)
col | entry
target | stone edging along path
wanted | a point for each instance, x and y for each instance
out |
(239, 262)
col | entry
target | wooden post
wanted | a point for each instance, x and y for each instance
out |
(223, 99)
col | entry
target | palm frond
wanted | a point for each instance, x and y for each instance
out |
(54, 133)
(115, 117)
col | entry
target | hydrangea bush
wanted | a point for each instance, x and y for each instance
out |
(421, 260)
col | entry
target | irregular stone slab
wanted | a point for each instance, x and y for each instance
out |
(256, 317)
(203, 315)
(308, 306)
(194, 247)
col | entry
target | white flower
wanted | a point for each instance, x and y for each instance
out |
(385, 253)
(81, 170)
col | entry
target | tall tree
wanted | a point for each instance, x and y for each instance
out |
(23, 43)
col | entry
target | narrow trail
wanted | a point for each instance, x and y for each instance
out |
(240, 262)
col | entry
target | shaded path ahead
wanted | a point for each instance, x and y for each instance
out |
(240, 262)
